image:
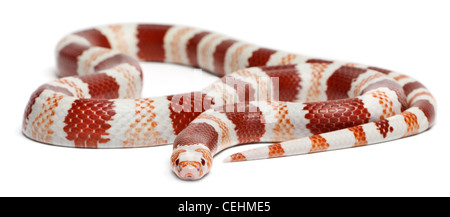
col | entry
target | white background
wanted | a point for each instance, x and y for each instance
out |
(412, 37)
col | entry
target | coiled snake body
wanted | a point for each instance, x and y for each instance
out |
(302, 104)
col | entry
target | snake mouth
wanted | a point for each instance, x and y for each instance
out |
(188, 176)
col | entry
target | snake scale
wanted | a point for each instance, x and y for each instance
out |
(299, 103)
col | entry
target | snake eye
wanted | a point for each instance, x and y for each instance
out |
(203, 162)
(177, 162)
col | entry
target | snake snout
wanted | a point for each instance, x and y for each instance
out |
(190, 173)
(190, 170)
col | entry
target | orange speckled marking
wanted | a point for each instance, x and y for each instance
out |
(385, 103)
(237, 157)
(142, 131)
(286, 60)
(175, 44)
(40, 130)
(206, 154)
(276, 150)
(78, 91)
(283, 130)
(119, 36)
(318, 144)
(247, 74)
(131, 84)
(234, 63)
(314, 91)
(175, 155)
(411, 122)
(195, 164)
(360, 135)
(400, 77)
(351, 64)
(204, 55)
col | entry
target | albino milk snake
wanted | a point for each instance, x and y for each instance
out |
(302, 104)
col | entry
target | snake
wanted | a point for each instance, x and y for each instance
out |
(298, 104)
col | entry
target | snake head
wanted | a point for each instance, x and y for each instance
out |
(191, 162)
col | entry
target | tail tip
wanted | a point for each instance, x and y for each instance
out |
(227, 159)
